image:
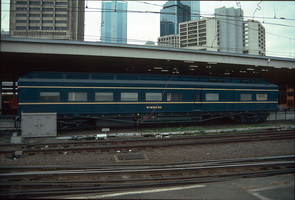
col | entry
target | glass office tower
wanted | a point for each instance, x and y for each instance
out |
(114, 22)
(175, 12)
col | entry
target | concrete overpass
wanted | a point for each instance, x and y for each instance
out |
(74, 48)
(22, 55)
(19, 56)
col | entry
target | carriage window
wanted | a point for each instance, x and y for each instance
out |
(49, 96)
(246, 97)
(129, 96)
(77, 96)
(174, 96)
(261, 97)
(104, 96)
(153, 96)
(212, 97)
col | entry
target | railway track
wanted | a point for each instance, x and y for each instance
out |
(139, 143)
(58, 181)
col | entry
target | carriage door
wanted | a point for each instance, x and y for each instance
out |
(197, 106)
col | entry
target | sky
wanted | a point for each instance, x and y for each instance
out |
(278, 18)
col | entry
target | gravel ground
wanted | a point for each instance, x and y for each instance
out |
(175, 154)
(180, 154)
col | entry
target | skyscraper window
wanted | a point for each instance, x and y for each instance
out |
(114, 22)
(44, 19)
(175, 12)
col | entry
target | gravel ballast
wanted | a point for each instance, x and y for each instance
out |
(157, 155)
(160, 155)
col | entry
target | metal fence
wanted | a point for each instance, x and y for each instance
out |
(282, 115)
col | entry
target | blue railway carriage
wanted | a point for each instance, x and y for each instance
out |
(87, 99)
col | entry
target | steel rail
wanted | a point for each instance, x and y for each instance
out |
(108, 182)
(160, 143)
(288, 159)
(93, 171)
(275, 166)
(128, 140)
(14, 168)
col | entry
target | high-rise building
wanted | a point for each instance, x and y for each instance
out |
(4, 34)
(50, 19)
(114, 22)
(199, 34)
(230, 29)
(195, 9)
(175, 12)
(254, 38)
(208, 34)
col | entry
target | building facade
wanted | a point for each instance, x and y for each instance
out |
(175, 12)
(199, 34)
(254, 38)
(206, 34)
(47, 19)
(114, 22)
(230, 29)
(169, 41)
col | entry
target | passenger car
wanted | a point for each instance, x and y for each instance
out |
(90, 99)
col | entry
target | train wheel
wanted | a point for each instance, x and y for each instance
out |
(246, 119)
(241, 119)
(70, 125)
(263, 118)
(79, 125)
(61, 125)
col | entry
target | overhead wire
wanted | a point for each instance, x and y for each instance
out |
(194, 13)
(171, 13)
